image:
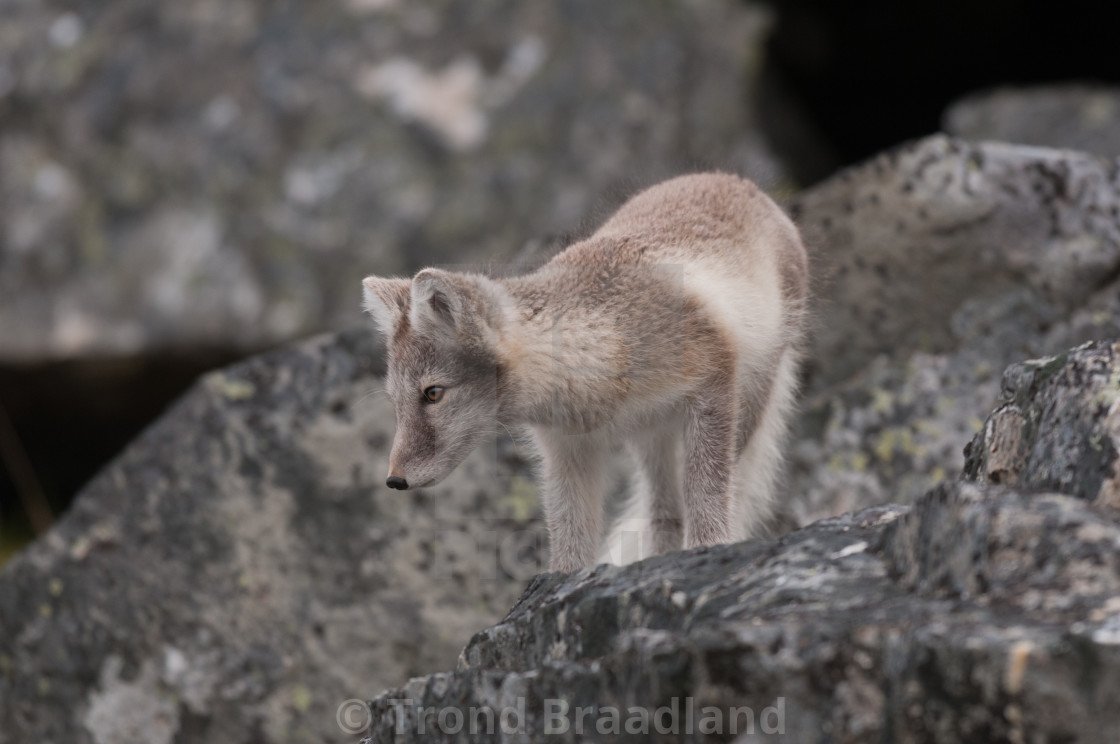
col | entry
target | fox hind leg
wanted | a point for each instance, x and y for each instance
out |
(759, 470)
(710, 433)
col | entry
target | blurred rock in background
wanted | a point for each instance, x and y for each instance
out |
(1074, 117)
(221, 174)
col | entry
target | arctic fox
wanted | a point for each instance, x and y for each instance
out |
(676, 328)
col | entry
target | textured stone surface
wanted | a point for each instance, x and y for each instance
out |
(1058, 427)
(889, 434)
(220, 173)
(1077, 117)
(241, 569)
(979, 615)
(918, 235)
(940, 264)
(899, 427)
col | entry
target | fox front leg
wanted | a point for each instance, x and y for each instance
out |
(709, 459)
(573, 497)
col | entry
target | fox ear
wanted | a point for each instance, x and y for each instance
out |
(462, 306)
(386, 300)
(438, 306)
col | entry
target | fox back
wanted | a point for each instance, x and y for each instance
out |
(675, 329)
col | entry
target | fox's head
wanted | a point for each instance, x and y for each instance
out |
(441, 329)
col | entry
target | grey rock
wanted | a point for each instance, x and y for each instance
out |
(1075, 117)
(889, 434)
(1058, 427)
(940, 264)
(908, 240)
(222, 173)
(241, 570)
(956, 620)
(899, 427)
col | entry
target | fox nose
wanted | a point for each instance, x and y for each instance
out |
(397, 482)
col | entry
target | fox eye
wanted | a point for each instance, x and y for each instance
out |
(433, 394)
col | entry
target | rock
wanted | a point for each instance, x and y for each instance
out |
(241, 570)
(889, 434)
(980, 614)
(1075, 117)
(914, 242)
(899, 427)
(219, 174)
(1058, 427)
(943, 262)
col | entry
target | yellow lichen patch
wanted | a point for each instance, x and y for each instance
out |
(881, 401)
(922, 426)
(897, 439)
(232, 389)
(855, 461)
(1108, 396)
(301, 698)
(522, 498)
(55, 587)
(885, 445)
(944, 405)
